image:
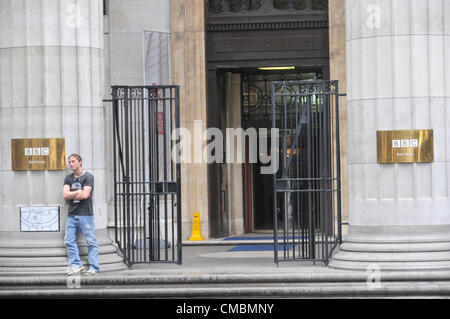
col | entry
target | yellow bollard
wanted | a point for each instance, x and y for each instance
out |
(196, 228)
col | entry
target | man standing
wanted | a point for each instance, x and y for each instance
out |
(77, 190)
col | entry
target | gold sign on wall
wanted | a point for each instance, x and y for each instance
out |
(407, 146)
(37, 154)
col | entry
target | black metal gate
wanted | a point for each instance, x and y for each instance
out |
(307, 201)
(147, 201)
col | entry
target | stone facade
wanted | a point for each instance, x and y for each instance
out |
(397, 62)
(58, 60)
(51, 86)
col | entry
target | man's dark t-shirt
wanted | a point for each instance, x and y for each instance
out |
(80, 207)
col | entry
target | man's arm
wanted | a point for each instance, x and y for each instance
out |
(67, 194)
(84, 194)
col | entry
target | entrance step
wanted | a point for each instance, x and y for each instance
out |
(45, 253)
(125, 285)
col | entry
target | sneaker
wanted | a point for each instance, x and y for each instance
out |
(75, 270)
(90, 272)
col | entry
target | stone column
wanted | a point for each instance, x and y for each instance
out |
(51, 85)
(189, 72)
(398, 61)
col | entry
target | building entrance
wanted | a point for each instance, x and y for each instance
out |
(256, 110)
(307, 186)
(241, 37)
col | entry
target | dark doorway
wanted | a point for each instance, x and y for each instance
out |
(262, 199)
(257, 113)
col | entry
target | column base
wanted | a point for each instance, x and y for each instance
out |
(394, 248)
(45, 253)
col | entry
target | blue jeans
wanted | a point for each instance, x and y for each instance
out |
(86, 225)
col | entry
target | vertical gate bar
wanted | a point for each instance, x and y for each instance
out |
(326, 114)
(311, 174)
(275, 195)
(136, 177)
(114, 109)
(146, 170)
(300, 174)
(319, 193)
(179, 217)
(122, 197)
(139, 176)
(151, 186)
(332, 172)
(157, 164)
(122, 181)
(293, 125)
(171, 120)
(152, 173)
(338, 164)
(166, 247)
(126, 175)
(143, 188)
(154, 161)
(316, 163)
(297, 175)
(132, 127)
(287, 194)
(319, 104)
(132, 177)
(307, 195)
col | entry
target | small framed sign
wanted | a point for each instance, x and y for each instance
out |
(39, 219)
(406, 146)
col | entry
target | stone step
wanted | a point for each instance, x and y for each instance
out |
(390, 266)
(51, 252)
(304, 290)
(29, 271)
(46, 240)
(129, 284)
(395, 247)
(45, 253)
(51, 261)
(132, 277)
(375, 257)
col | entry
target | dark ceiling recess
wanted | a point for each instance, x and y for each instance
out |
(255, 33)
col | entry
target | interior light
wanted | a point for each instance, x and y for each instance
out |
(275, 68)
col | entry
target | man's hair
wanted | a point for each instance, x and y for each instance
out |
(78, 157)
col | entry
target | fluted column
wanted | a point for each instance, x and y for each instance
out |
(398, 61)
(51, 85)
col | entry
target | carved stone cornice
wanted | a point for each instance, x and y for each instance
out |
(262, 26)
(264, 15)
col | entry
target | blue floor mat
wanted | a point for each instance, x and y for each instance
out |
(259, 238)
(258, 248)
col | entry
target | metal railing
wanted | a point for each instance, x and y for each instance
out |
(307, 199)
(147, 208)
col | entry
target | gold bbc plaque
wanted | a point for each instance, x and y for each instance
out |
(38, 154)
(406, 146)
